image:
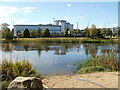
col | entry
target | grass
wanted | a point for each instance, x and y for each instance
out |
(106, 62)
(93, 69)
(61, 40)
(10, 70)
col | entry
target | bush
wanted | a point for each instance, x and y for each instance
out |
(26, 33)
(93, 69)
(108, 60)
(8, 34)
(46, 32)
(39, 33)
(66, 32)
(10, 70)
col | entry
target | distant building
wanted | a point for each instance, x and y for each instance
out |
(58, 27)
(64, 24)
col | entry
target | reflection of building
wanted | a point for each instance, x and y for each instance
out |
(58, 27)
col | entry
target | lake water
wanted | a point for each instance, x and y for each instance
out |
(51, 59)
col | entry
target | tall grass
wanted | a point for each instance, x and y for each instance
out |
(106, 62)
(10, 70)
(61, 40)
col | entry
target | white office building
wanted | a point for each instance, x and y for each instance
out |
(58, 27)
(64, 24)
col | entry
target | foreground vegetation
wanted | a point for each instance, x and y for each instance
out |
(106, 62)
(10, 70)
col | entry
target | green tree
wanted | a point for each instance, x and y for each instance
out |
(46, 32)
(33, 33)
(108, 32)
(118, 32)
(4, 26)
(103, 31)
(39, 32)
(19, 33)
(86, 32)
(66, 32)
(94, 31)
(8, 34)
(26, 33)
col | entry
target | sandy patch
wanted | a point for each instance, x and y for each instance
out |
(92, 80)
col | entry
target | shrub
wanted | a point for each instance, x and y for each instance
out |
(39, 33)
(93, 69)
(106, 60)
(46, 32)
(26, 33)
(8, 34)
(66, 32)
(10, 70)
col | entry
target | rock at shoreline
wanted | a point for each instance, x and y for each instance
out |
(26, 83)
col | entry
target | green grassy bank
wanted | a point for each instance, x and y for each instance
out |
(107, 62)
(62, 40)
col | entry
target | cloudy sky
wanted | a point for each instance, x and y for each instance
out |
(102, 14)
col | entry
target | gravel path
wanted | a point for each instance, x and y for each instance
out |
(92, 80)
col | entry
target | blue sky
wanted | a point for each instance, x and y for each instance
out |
(102, 14)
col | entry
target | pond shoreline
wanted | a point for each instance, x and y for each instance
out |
(88, 80)
(62, 40)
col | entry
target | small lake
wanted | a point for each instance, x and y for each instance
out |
(53, 59)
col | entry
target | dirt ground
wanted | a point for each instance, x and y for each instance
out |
(92, 80)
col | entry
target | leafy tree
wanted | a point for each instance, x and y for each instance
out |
(39, 32)
(106, 31)
(12, 30)
(119, 32)
(8, 34)
(26, 33)
(19, 33)
(94, 31)
(33, 33)
(4, 26)
(103, 31)
(99, 34)
(86, 32)
(75, 32)
(66, 32)
(0, 33)
(62, 33)
(46, 32)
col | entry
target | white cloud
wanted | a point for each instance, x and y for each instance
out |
(115, 25)
(27, 9)
(69, 5)
(11, 20)
(7, 10)
(65, 17)
(80, 17)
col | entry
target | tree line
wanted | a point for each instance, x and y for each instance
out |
(87, 32)
(97, 32)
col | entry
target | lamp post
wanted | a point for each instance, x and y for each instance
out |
(89, 22)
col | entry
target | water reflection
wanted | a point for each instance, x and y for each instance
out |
(91, 49)
(54, 58)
